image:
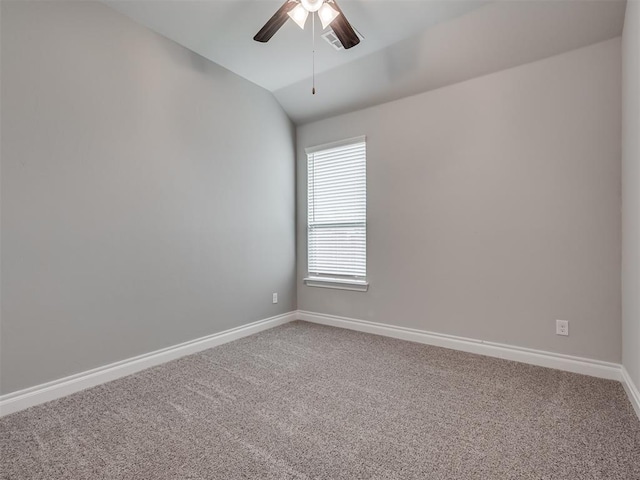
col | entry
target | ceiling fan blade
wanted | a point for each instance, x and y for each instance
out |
(343, 29)
(273, 25)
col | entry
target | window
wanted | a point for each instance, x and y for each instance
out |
(337, 215)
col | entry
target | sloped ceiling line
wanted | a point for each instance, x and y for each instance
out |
(410, 46)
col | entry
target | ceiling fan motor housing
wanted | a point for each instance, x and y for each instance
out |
(312, 5)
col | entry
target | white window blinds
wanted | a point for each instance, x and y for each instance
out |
(337, 210)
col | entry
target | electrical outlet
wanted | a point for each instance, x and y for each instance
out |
(275, 298)
(562, 327)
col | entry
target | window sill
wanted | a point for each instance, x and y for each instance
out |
(337, 283)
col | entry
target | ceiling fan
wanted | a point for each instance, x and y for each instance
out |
(298, 10)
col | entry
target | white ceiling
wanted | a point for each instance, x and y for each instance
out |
(223, 30)
(409, 46)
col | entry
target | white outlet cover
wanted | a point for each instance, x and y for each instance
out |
(562, 327)
(275, 298)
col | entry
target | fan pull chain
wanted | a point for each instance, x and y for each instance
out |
(313, 54)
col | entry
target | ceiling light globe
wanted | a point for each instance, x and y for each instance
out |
(312, 5)
(327, 14)
(299, 15)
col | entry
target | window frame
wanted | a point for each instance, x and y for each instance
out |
(336, 281)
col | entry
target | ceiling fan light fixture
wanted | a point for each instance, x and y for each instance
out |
(299, 10)
(327, 14)
(299, 15)
(312, 5)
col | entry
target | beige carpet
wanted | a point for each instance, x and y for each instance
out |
(305, 401)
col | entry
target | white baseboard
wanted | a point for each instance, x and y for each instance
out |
(29, 397)
(16, 401)
(585, 366)
(632, 391)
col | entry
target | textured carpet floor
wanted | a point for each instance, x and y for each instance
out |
(306, 401)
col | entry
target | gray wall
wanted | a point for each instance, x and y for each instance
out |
(147, 194)
(631, 192)
(493, 207)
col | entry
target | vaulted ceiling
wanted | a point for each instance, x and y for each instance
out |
(409, 46)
